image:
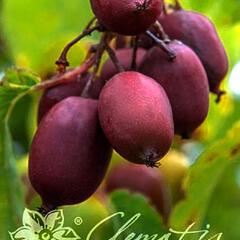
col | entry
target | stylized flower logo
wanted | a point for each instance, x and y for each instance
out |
(37, 227)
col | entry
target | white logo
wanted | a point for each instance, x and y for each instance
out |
(37, 227)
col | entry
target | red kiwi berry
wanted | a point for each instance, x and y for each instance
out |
(136, 117)
(127, 17)
(125, 59)
(185, 82)
(199, 33)
(53, 95)
(69, 154)
(147, 181)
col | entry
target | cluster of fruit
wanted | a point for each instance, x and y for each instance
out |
(163, 90)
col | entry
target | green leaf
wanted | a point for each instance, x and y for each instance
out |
(11, 197)
(15, 85)
(204, 188)
(21, 77)
(138, 218)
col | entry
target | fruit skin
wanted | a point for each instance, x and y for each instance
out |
(125, 59)
(96, 88)
(136, 117)
(199, 33)
(185, 83)
(53, 95)
(147, 181)
(120, 42)
(127, 17)
(69, 154)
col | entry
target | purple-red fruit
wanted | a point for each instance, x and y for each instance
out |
(136, 117)
(185, 82)
(53, 95)
(96, 88)
(69, 154)
(198, 32)
(120, 42)
(127, 17)
(125, 59)
(140, 179)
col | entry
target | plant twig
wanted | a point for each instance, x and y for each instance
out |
(134, 55)
(113, 57)
(66, 77)
(219, 96)
(90, 23)
(178, 5)
(161, 44)
(162, 35)
(99, 53)
(164, 9)
(62, 60)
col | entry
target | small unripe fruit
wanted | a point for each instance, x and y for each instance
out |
(199, 33)
(185, 82)
(128, 17)
(140, 179)
(136, 117)
(125, 59)
(69, 153)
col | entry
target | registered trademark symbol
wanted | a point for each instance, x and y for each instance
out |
(78, 221)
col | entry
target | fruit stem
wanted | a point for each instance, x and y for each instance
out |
(162, 35)
(219, 96)
(99, 53)
(162, 45)
(134, 55)
(113, 57)
(64, 78)
(164, 9)
(90, 23)
(45, 209)
(62, 62)
(178, 5)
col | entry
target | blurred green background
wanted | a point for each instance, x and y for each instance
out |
(32, 34)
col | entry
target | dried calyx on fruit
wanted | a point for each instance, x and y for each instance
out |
(69, 153)
(127, 17)
(185, 83)
(136, 117)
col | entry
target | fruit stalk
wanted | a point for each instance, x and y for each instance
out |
(66, 77)
(113, 57)
(134, 55)
(99, 53)
(178, 5)
(62, 62)
(162, 45)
